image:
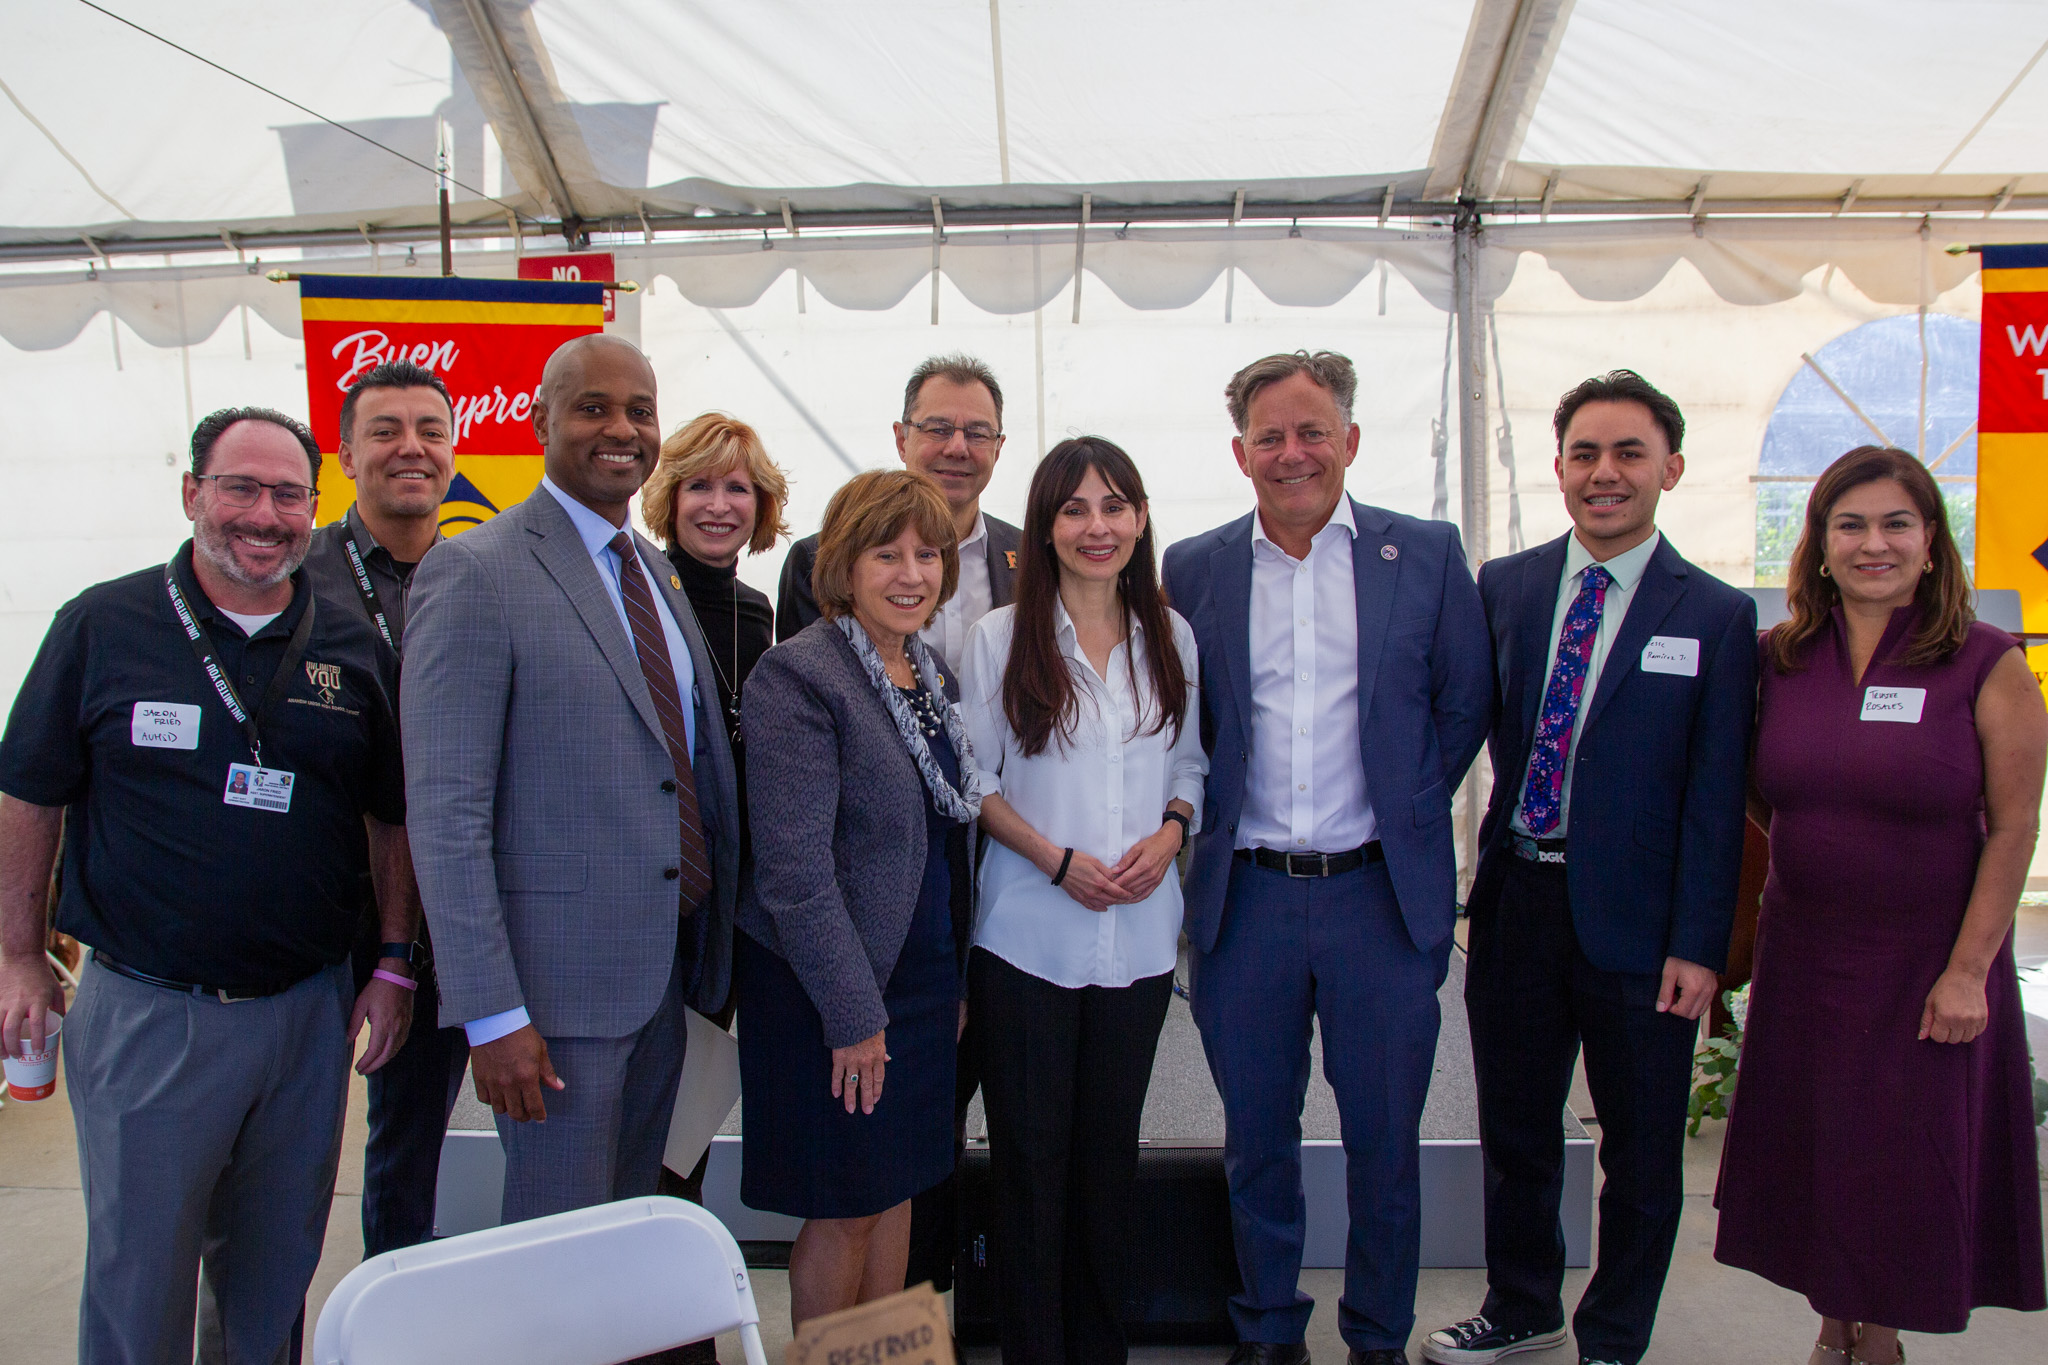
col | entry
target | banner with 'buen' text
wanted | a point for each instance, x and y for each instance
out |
(487, 340)
(2012, 433)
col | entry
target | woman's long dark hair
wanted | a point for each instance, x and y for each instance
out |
(1039, 699)
(1944, 592)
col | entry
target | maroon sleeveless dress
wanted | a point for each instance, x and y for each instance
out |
(1888, 1180)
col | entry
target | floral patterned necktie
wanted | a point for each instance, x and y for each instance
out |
(1543, 793)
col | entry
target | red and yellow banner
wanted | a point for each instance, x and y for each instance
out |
(488, 340)
(2012, 433)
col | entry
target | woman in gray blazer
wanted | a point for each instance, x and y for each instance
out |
(847, 967)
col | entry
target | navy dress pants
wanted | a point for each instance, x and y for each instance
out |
(1332, 952)
(1533, 999)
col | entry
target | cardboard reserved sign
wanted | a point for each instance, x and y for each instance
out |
(904, 1329)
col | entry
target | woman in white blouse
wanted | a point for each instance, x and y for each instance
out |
(1081, 709)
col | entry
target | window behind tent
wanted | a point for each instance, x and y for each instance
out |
(1877, 365)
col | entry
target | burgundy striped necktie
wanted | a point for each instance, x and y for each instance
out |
(651, 644)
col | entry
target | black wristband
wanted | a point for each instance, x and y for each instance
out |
(408, 953)
(1065, 863)
(1187, 830)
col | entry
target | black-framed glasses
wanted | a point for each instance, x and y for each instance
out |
(239, 490)
(980, 435)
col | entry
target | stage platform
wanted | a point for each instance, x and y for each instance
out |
(1182, 1108)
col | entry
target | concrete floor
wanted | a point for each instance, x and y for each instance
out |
(1711, 1315)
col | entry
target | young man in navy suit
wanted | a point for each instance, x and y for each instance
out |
(1345, 690)
(1607, 875)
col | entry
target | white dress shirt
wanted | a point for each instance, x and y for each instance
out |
(1100, 793)
(1627, 569)
(1304, 787)
(597, 534)
(971, 599)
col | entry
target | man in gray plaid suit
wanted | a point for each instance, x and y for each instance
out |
(576, 824)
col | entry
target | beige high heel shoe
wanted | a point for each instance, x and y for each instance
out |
(1828, 1355)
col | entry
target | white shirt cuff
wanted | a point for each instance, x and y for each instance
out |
(1189, 789)
(492, 1027)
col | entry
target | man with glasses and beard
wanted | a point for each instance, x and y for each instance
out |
(218, 750)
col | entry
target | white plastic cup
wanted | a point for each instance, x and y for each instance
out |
(34, 1075)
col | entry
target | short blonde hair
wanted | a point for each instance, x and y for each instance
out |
(708, 446)
(873, 509)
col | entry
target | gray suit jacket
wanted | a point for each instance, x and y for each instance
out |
(827, 769)
(541, 833)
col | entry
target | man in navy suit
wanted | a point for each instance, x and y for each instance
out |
(1345, 690)
(1627, 683)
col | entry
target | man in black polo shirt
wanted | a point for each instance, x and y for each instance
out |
(206, 1054)
(397, 429)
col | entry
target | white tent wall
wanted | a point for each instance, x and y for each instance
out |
(823, 385)
(1718, 319)
(1725, 366)
(91, 452)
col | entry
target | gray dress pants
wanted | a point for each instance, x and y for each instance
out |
(605, 1131)
(208, 1136)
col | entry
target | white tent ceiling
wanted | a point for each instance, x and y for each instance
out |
(603, 113)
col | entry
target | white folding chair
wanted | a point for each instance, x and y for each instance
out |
(588, 1287)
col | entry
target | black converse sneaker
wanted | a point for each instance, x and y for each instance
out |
(1476, 1341)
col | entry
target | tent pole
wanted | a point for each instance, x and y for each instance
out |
(1472, 471)
(1472, 482)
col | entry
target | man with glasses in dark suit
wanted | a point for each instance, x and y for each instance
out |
(952, 432)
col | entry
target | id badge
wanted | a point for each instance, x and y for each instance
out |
(261, 788)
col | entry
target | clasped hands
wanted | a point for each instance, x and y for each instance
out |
(1136, 875)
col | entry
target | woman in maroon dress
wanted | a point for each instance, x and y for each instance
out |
(1880, 1156)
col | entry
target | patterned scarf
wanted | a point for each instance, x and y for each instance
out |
(961, 805)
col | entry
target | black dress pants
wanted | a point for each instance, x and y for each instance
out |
(1064, 1075)
(1533, 998)
(411, 1097)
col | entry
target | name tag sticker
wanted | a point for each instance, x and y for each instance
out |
(1901, 704)
(260, 788)
(164, 725)
(1672, 654)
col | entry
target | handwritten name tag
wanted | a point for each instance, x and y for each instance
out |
(164, 725)
(1894, 703)
(1672, 654)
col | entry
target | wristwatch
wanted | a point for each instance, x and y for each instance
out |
(413, 955)
(1186, 829)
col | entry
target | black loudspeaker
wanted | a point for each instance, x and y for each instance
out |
(1183, 1264)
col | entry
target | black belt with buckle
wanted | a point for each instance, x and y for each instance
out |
(1550, 851)
(1314, 864)
(227, 995)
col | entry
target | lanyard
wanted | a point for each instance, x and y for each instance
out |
(208, 656)
(366, 588)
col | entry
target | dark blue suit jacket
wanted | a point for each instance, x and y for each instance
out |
(1655, 832)
(1424, 701)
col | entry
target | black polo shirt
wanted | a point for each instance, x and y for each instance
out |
(334, 577)
(159, 870)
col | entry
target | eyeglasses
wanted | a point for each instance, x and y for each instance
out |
(239, 490)
(980, 435)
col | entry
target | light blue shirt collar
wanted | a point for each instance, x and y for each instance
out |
(595, 531)
(1626, 568)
